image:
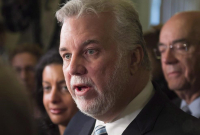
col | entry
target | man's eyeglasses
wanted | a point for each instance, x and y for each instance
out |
(156, 53)
(177, 47)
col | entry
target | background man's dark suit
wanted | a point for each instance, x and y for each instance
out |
(158, 117)
(177, 102)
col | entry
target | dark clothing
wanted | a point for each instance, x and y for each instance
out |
(158, 117)
(161, 82)
(77, 123)
(177, 102)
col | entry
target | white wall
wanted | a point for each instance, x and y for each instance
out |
(168, 9)
(171, 7)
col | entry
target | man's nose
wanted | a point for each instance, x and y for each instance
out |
(76, 66)
(23, 74)
(169, 57)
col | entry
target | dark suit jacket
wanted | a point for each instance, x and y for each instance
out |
(158, 117)
(177, 102)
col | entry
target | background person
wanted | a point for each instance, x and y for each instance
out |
(107, 71)
(180, 55)
(24, 59)
(151, 38)
(16, 112)
(53, 97)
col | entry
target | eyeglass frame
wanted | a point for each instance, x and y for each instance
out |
(156, 51)
(172, 46)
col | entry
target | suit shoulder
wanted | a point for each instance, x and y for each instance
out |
(77, 123)
(176, 121)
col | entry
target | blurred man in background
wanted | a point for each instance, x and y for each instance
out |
(24, 59)
(151, 38)
(180, 55)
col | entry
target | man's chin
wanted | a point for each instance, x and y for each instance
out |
(89, 108)
(179, 86)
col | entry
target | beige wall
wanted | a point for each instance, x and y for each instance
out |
(143, 8)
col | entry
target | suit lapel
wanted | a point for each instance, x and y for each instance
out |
(132, 129)
(146, 119)
(88, 127)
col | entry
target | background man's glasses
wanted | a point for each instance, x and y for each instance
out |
(156, 53)
(177, 48)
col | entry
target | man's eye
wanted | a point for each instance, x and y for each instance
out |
(180, 46)
(18, 70)
(90, 51)
(67, 56)
(162, 48)
(30, 69)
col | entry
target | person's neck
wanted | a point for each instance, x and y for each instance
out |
(61, 129)
(188, 95)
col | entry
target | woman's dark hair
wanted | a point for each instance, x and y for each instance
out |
(50, 57)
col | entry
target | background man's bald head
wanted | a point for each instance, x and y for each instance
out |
(188, 22)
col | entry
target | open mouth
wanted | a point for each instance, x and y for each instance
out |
(81, 88)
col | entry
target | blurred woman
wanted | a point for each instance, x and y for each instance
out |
(53, 97)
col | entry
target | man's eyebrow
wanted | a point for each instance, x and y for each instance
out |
(179, 40)
(63, 49)
(90, 41)
(175, 41)
(87, 42)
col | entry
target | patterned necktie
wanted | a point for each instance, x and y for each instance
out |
(100, 130)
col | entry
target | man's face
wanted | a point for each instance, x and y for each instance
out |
(181, 70)
(24, 64)
(92, 66)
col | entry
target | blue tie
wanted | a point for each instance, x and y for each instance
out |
(100, 130)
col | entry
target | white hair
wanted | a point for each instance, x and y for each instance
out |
(128, 30)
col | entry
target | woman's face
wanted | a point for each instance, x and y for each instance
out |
(56, 98)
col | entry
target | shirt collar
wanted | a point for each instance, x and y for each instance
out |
(130, 112)
(194, 107)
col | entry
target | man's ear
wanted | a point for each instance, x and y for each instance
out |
(136, 59)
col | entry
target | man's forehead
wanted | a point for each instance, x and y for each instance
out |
(174, 32)
(24, 60)
(84, 31)
(28, 54)
(183, 24)
(27, 66)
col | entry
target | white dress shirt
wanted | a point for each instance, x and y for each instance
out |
(194, 107)
(129, 113)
